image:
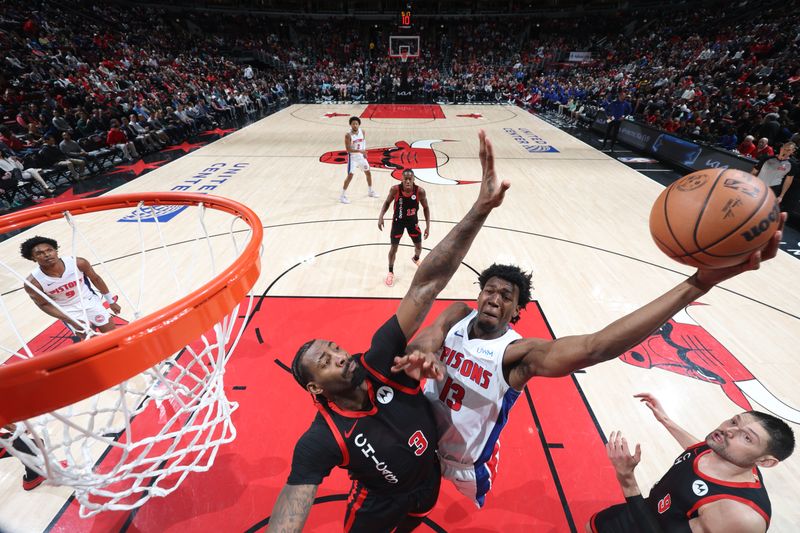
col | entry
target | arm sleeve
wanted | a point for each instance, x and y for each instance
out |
(387, 343)
(315, 455)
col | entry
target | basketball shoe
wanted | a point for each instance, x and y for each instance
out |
(389, 279)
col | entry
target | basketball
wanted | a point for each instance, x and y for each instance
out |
(714, 218)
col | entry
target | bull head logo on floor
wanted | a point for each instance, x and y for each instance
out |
(418, 156)
(682, 346)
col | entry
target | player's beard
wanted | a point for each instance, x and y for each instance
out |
(359, 372)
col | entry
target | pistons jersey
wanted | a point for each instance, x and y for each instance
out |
(406, 206)
(64, 289)
(471, 404)
(678, 496)
(357, 141)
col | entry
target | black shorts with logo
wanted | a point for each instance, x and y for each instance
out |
(368, 512)
(399, 226)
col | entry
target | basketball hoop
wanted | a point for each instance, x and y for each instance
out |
(74, 406)
(403, 56)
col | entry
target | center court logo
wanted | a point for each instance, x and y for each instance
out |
(531, 142)
(204, 182)
(418, 156)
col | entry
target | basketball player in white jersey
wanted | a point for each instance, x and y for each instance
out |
(65, 280)
(356, 146)
(487, 364)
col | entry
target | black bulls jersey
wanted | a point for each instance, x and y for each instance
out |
(678, 495)
(390, 448)
(405, 207)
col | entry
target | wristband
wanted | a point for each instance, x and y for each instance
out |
(110, 299)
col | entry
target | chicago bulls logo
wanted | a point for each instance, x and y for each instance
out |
(418, 156)
(682, 346)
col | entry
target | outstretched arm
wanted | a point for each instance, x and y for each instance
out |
(420, 353)
(537, 357)
(624, 464)
(684, 438)
(291, 510)
(439, 266)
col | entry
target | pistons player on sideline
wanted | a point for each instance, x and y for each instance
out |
(66, 281)
(371, 421)
(356, 146)
(407, 198)
(487, 363)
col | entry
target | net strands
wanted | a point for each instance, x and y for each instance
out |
(182, 412)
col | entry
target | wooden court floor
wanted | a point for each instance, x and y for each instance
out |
(575, 217)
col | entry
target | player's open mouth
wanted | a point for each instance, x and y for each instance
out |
(717, 437)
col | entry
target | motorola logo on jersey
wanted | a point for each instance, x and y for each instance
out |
(699, 487)
(384, 394)
(684, 347)
(418, 156)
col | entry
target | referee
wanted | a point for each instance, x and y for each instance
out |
(778, 171)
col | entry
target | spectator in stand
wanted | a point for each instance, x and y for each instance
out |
(728, 140)
(116, 138)
(50, 156)
(770, 128)
(747, 148)
(13, 143)
(140, 124)
(73, 150)
(763, 149)
(60, 123)
(13, 166)
(616, 111)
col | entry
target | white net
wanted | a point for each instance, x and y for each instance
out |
(141, 438)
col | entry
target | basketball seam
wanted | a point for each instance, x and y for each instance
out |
(737, 228)
(699, 218)
(667, 223)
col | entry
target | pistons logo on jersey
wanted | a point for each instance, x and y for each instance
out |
(664, 504)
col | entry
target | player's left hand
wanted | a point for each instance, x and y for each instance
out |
(418, 365)
(427, 232)
(115, 308)
(620, 455)
(707, 278)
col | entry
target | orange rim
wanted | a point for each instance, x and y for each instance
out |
(67, 375)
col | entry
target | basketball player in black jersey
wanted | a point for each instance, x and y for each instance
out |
(714, 485)
(374, 422)
(407, 198)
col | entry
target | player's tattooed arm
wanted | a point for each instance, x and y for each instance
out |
(291, 510)
(439, 266)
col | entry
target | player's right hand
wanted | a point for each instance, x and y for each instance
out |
(493, 190)
(418, 365)
(653, 404)
(380, 224)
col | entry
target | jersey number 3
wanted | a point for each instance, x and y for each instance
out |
(452, 394)
(419, 442)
